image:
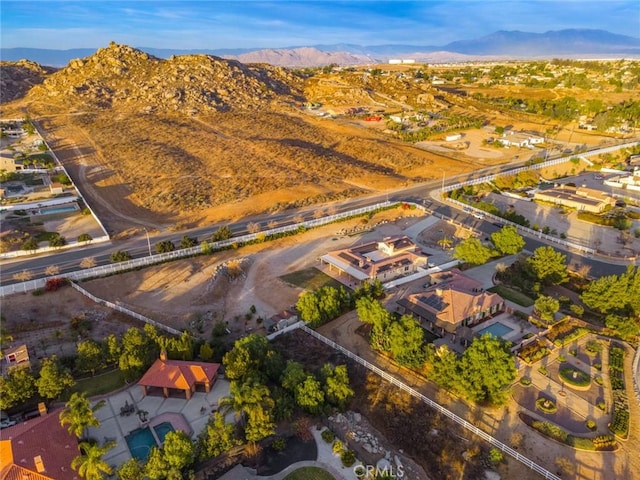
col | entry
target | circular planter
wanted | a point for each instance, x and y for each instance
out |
(546, 405)
(575, 378)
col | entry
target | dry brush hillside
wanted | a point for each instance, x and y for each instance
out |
(177, 139)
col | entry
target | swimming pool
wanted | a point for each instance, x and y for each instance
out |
(48, 211)
(498, 330)
(140, 442)
(162, 429)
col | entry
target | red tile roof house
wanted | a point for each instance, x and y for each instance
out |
(179, 375)
(38, 449)
(452, 301)
(386, 260)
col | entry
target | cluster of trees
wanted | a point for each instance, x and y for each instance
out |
(133, 354)
(264, 390)
(617, 297)
(506, 241)
(482, 373)
(327, 303)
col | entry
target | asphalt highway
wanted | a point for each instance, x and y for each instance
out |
(69, 260)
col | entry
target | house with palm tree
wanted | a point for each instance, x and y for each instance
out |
(38, 449)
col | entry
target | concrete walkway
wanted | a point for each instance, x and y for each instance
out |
(190, 416)
(326, 460)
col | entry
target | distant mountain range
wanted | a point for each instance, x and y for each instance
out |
(581, 43)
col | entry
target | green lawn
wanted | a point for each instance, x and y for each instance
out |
(309, 473)
(512, 295)
(100, 384)
(310, 279)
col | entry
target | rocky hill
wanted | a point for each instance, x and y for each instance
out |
(17, 78)
(127, 78)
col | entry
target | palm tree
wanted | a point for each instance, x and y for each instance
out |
(79, 414)
(90, 464)
(246, 398)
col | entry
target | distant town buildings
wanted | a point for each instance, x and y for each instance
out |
(384, 260)
(404, 61)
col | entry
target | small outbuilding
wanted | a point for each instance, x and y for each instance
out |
(181, 375)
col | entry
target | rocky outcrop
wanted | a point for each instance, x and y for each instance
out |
(17, 78)
(124, 77)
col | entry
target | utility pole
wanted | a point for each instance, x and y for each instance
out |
(442, 190)
(148, 241)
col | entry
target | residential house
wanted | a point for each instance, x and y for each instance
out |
(280, 321)
(451, 302)
(384, 260)
(38, 449)
(521, 140)
(184, 376)
(580, 198)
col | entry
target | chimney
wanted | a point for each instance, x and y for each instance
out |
(163, 355)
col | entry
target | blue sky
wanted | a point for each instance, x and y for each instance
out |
(280, 23)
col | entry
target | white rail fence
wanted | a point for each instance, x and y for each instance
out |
(23, 253)
(529, 231)
(436, 406)
(113, 268)
(124, 310)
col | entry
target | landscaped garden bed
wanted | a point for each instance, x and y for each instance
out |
(534, 351)
(512, 295)
(620, 421)
(546, 405)
(574, 377)
(553, 431)
(566, 332)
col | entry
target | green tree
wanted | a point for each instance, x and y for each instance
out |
(156, 466)
(57, 240)
(472, 251)
(308, 306)
(90, 464)
(30, 244)
(549, 266)
(486, 369)
(245, 398)
(120, 256)
(507, 240)
(79, 414)
(406, 340)
(113, 349)
(373, 312)
(188, 242)
(445, 368)
(206, 352)
(132, 469)
(259, 425)
(179, 450)
(336, 384)
(137, 353)
(615, 294)
(223, 233)
(218, 437)
(247, 358)
(17, 387)
(293, 375)
(90, 356)
(546, 307)
(54, 379)
(84, 237)
(309, 395)
(165, 246)
(625, 327)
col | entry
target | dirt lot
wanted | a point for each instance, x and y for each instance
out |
(181, 292)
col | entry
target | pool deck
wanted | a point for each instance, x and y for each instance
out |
(190, 416)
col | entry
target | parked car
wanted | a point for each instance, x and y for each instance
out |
(7, 423)
(597, 176)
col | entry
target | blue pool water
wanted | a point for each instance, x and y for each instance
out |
(498, 330)
(69, 208)
(140, 442)
(162, 429)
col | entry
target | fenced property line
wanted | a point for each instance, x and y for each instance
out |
(110, 269)
(22, 253)
(529, 231)
(124, 310)
(436, 406)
